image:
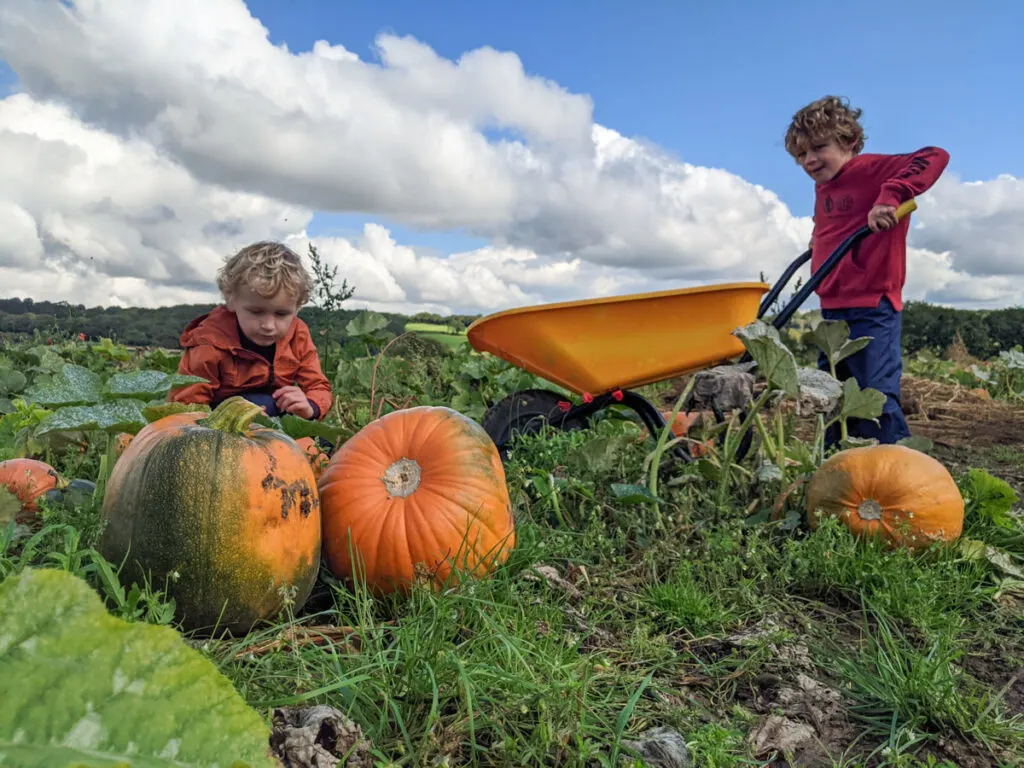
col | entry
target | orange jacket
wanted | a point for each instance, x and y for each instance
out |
(213, 350)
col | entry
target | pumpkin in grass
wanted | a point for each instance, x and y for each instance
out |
(315, 455)
(681, 426)
(29, 480)
(905, 496)
(417, 491)
(223, 511)
(121, 442)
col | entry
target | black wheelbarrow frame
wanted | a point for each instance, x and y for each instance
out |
(528, 411)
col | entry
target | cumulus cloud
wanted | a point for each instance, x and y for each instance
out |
(144, 147)
(94, 218)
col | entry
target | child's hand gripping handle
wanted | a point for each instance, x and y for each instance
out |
(906, 209)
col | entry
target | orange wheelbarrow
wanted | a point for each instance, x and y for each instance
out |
(602, 349)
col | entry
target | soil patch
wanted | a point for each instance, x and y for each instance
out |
(946, 414)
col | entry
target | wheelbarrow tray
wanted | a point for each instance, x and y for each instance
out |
(597, 346)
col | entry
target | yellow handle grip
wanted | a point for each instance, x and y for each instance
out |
(906, 209)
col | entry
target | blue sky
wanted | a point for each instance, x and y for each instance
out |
(716, 83)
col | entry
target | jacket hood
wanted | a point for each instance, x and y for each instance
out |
(217, 328)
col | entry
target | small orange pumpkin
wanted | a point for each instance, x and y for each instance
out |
(903, 495)
(418, 489)
(317, 457)
(121, 443)
(28, 480)
(681, 425)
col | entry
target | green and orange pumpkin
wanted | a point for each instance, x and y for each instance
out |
(416, 494)
(223, 512)
(904, 496)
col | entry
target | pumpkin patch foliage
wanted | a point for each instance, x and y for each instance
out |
(175, 580)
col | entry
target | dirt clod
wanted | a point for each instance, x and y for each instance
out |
(318, 737)
(661, 748)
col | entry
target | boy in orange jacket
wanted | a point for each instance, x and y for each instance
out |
(255, 345)
(853, 189)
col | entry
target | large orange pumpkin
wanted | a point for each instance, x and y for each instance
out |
(28, 480)
(418, 490)
(906, 497)
(222, 511)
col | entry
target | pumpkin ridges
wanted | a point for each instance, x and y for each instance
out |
(914, 490)
(421, 527)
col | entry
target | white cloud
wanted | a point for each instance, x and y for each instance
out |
(145, 147)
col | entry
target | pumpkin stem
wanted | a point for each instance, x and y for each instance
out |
(402, 478)
(233, 416)
(869, 509)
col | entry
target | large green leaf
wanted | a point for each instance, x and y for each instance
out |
(83, 688)
(297, 427)
(74, 385)
(366, 323)
(833, 338)
(774, 359)
(861, 403)
(148, 385)
(12, 381)
(113, 416)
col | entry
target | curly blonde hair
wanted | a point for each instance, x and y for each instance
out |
(265, 268)
(827, 118)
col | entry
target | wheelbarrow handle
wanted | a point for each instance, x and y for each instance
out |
(824, 270)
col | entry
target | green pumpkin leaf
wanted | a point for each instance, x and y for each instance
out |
(988, 500)
(114, 416)
(10, 506)
(918, 443)
(84, 688)
(630, 493)
(861, 403)
(48, 360)
(73, 385)
(297, 427)
(365, 324)
(832, 337)
(148, 385)
(11, 381)
(774, 359)
(157, 412)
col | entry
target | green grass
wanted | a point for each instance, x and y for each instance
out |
(442, 334)
(604, 624)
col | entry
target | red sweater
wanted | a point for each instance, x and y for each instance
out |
(877, 265)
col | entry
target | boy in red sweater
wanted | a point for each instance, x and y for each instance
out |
(865, 289)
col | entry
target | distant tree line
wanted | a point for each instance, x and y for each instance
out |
(162, 326)
(925, 326)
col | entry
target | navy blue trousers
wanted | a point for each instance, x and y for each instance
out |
(879, 366)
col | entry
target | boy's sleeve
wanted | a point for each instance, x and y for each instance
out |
(311, 379)
(906, 176)
(198, 361)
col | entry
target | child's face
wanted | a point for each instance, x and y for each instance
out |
(822, 159)
(264, 321)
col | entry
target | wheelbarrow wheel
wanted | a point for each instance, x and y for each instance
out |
(526, 412)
